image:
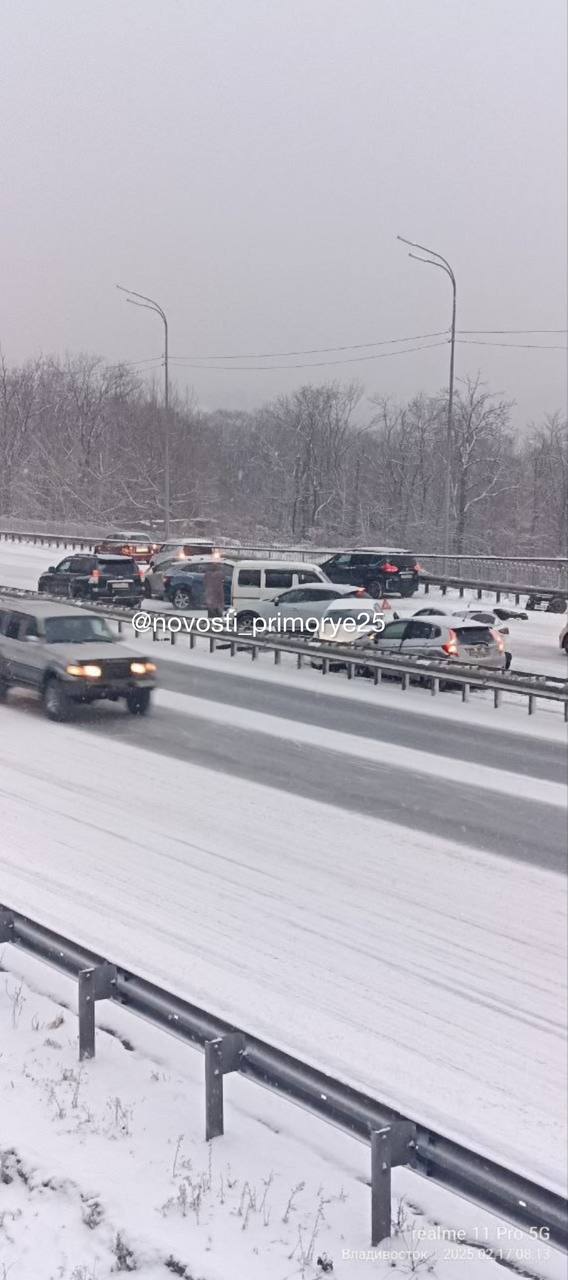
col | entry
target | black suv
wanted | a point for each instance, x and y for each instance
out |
(383, 571)
(91, 577)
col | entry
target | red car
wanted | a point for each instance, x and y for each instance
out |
(138, 546)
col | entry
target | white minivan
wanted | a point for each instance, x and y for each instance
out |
(258, 580)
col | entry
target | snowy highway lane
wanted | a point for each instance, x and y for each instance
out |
(406, 961)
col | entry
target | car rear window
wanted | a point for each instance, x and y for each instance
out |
(361, 618)
(403, 562)
(473, 635)
(124, 568)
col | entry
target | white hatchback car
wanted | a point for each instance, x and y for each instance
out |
(469, 613)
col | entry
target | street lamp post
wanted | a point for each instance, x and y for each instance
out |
(150, 305)
(436, 260)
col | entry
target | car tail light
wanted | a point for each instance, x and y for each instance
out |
(499, 641)
(390, 568)
(95, 576)
(451, 645)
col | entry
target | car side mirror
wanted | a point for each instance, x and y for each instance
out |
(51, 568)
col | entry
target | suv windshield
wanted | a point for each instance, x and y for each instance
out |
(77, 630)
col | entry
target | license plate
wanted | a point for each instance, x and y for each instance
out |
(405, 574)
(477, 651)
(120, 586)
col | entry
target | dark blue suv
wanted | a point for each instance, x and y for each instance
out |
(185, 587)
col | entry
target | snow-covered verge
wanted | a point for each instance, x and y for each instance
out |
(104, 1169)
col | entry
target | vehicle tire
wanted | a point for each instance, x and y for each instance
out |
(182, 598)
(565, 645)
(376, 588)
(508, 660)
(56, 701)
(138, 701)
(246, 619)
(557, 605)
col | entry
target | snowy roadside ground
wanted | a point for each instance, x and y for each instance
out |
(411, 966)
(104, 1168)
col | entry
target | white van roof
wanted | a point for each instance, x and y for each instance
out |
(294, 566)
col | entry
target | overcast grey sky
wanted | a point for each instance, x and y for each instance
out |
(249, 164)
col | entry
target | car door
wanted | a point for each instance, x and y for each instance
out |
(12, 648)
(28, 654)
(58, 584)
(339, 568)
(420, 638)
(390, 639)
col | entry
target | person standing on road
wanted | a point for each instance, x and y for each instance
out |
(214, 588)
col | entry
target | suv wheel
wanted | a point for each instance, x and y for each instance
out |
(138, 701)
(181, 598)
(56, 701)
(376, 588)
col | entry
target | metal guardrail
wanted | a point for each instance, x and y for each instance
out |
(531, 685)
(553, 570)
(394, 1139)
(497, 589)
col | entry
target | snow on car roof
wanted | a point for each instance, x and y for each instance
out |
(45, 608)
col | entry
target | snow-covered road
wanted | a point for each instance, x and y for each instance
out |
(426, 971)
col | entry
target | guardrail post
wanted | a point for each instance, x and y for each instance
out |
(221, 1056)
(277, 656)
(212, 644)
(465, 693)
(94, 984)
(497, 697)
(435, 685)
(299, 661)
(532, 704)
(390, 1147)
(6, 926)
